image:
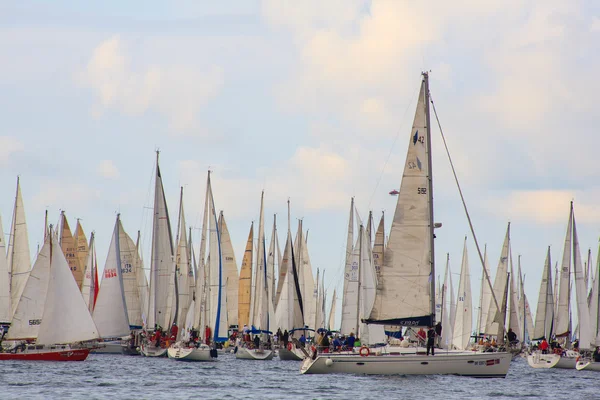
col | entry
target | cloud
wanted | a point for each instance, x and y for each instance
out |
(547, 206)
(177, 92)
(8, 146)
(107, 169)
(55, 193)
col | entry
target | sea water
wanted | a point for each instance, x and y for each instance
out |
(105, 376)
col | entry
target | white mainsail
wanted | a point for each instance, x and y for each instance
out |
(368, 334)
(544, 315)
(88, 285)
(406, 295)
(231, 272)
(130, 275)
(217, 275)
(110, 312)
(485, 296)
(563, 308)
(495, 319)
(142, 280)
(66, 318)
(583, 313)
(30, 308)
(162, 265)
(350, 301)
(19, 261)
(182, 269)
(271, 261)
(463, 323)
(514, 316)
(5, 300)
(261, 305)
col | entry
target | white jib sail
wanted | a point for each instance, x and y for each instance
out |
(463, 323)
(88, 285)
(19, 261)
(544, 314)
(5, 300)
(500, 281)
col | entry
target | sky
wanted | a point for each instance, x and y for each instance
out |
(310, 101)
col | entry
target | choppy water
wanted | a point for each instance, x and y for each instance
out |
(122, 377)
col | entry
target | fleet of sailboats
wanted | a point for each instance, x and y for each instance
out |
(186, 307)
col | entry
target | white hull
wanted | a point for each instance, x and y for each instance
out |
(545, 361)
(190, 354)
(243, 353)
(151, 351)
(484, 365)
(587, 365)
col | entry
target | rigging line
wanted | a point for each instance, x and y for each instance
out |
(400, 129)
(487, 277)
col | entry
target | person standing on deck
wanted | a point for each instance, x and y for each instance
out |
(430, 340)
(438, 334)
(207, 334)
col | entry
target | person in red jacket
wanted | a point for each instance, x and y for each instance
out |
(207, 334)
(174, 330)
(544, 346)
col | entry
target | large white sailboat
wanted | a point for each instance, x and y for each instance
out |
(567, 358)
(162, 273)
(407, 293)
(50, 312)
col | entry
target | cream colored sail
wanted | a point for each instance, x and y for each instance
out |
(81, 249)
(69, 249)
(88, 285)
(378, 248)
(162, 263)
(19, 262)
(5, 301)
(310, 290)
(28, 315)
(495, 319)
(272, 261)
(526, 320)
(463, 323)
(245, 282)
(331, 319)
(129, 272)
(66, 318)
(406, 295)
(110, 312)
(231, 272)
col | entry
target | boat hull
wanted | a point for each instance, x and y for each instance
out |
(289, 355)
(190, 354)
(47, 355)
(108, 348)
(551, 360)
(151, 351)
(587, 365)
(243, 353)
(483, 365)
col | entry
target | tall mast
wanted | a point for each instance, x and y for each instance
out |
(430, 178)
